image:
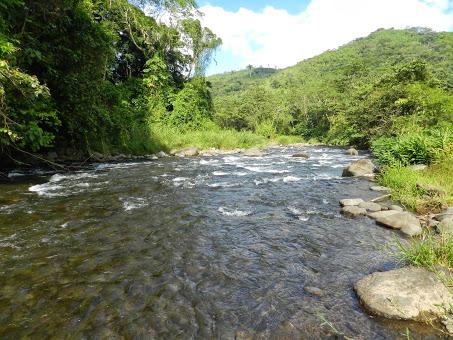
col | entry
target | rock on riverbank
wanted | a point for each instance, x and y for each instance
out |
(362, 167)
(407, 294)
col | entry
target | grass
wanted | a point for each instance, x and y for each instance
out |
(431, 251)
(403, 182)
(170, 138)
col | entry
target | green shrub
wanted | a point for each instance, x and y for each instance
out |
(415, 148)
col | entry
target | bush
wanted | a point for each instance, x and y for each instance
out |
(415, 148)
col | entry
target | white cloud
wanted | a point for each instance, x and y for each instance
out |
(275, 37)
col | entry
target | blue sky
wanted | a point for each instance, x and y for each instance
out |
(282, 33)
(292, 6)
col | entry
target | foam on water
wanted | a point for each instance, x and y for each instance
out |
(220, 173)
(223, 185)
(264, 170)
(289, 179)
(133, 203)
(47, 189)
(236, 213)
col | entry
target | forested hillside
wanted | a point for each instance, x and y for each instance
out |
(381, 85)
(95, 74)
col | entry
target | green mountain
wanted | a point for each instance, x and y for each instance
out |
(322, 96)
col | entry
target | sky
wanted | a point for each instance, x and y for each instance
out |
(282, 33)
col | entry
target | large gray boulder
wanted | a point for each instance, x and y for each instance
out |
(362, 167)
(406, 222)
(408, 294)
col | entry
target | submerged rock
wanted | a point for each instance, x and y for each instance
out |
(370, 206)
(363, 167)
(352, 152)
(353, 211)
(301, 155)
(408, 293)
(351, 201)
(314, 291)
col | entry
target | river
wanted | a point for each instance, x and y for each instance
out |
(194, 248)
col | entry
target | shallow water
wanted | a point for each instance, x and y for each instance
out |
(191, 248)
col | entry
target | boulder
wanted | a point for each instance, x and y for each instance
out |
(353, 211)
(352, 152)
(254, 152)
(404, 221)
(382, 214)
(301, 155)
(445, 227)
(408, 294)
(380, 188)
(161, 154)
(351, 201)
(370, 206)
(362, 167)
(187, 152)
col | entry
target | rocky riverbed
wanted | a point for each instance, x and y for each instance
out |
(221, 246)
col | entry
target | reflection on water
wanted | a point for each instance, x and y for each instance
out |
(190, 248)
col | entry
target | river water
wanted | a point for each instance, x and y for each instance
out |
(195, 248)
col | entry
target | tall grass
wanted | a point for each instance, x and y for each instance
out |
(213, 137)
(430, 251)
(403, 182)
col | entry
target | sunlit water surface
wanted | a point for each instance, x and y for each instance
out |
(217, 247)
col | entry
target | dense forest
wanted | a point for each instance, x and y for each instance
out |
(101, 75)
(381, 85)
(94, 74)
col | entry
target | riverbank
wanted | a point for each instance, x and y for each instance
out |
(164, 141)
(425, 192)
